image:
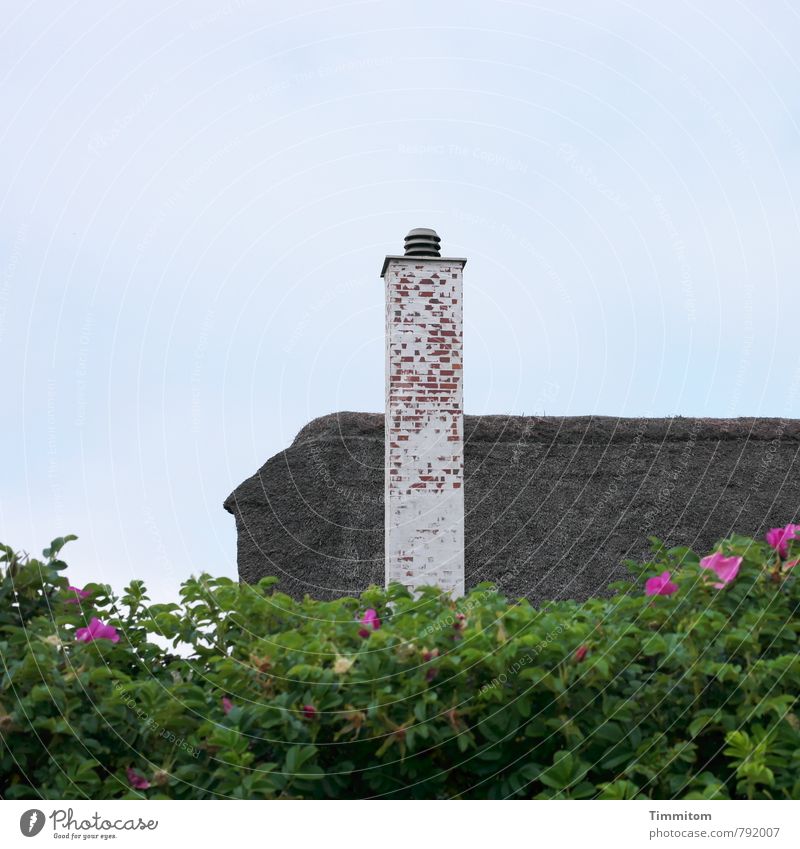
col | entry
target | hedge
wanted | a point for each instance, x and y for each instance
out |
(684, 684)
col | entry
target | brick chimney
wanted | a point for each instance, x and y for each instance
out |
(424, 486)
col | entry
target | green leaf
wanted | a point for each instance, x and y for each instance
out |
(297, 757)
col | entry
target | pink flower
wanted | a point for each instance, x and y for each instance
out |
(580, 653)
(309, 712)
(79, 594)
(97, 631)
(727, 568)
(136, 780)
(369, 620)
(779, 538)
(660, 585)
(227, 704)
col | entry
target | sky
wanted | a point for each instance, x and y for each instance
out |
(196, 199)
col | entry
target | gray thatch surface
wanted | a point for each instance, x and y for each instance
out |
(553, 505)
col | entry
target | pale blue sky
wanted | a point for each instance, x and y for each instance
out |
(197, 198)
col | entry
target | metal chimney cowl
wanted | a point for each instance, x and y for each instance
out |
(422, 241)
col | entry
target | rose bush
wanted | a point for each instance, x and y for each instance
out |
(682, 685)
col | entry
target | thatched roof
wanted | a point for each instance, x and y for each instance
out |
(553, 505)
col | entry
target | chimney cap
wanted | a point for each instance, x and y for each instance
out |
(422, 241)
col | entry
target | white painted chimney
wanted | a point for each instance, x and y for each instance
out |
(424, 489)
